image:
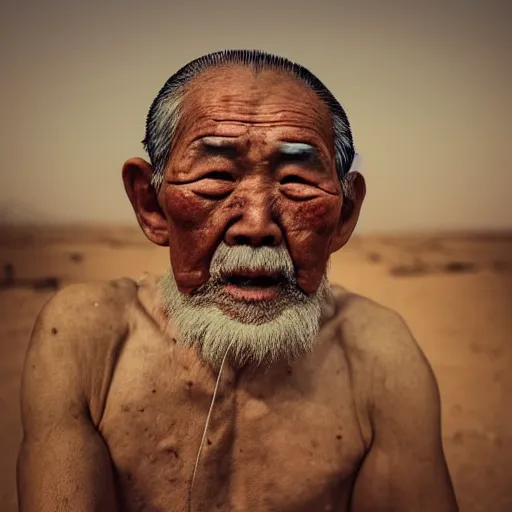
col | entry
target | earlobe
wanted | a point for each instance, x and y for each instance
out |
(143, 197)
(350, 210)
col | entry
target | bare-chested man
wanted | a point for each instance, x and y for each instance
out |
(241, 380)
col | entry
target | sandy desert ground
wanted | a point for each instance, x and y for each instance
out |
(455, 291)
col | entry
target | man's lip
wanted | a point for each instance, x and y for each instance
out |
(253, 294)
(251, 274)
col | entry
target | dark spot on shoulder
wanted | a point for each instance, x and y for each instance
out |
(459, 267)
(189, 384)
(76, 257)
(374, 257)
(186, 368)
(75, 415)
(174, 340)
(54, 330)
(140, 408)
(209, 442)
(289, 370)
(458, 437)
(241, 451)
(153, 390)
(125, 408)
(339, 436)
(500, 266)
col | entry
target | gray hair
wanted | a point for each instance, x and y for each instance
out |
(164, 113)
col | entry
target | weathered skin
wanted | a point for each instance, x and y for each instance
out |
(104, 376)
(114, 406)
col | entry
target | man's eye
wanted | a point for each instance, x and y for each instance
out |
(218, 175)
(297, 188)
(214, 185)
(292, 178)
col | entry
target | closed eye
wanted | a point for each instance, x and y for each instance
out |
(218, 175)
(292, 178)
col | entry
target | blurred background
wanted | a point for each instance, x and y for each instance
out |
(427, 88)
(426, 85)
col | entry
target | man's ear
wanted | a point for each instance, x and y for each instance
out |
(353, 197)
(144, 199)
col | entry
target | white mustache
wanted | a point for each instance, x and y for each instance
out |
(237, 258)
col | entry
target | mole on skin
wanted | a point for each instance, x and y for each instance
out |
(325, 401)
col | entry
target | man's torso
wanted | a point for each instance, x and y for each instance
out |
(287, 438)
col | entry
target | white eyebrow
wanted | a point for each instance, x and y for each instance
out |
(218, 142)
(297, 148)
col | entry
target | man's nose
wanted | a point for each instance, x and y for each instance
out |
(256, 225)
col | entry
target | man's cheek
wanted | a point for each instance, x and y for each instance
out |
(310, 226)
(193, 237)
(318, 216)
(309, 255)
(186, 209)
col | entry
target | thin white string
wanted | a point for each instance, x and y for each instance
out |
(205, 432)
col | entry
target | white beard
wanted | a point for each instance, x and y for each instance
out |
(258, 332)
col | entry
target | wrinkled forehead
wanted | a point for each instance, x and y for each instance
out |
(236, 99)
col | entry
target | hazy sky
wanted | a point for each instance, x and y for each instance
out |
(426, 86)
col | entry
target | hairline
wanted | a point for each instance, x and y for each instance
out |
(166, 110)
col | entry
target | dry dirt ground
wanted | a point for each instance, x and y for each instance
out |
(455, 291)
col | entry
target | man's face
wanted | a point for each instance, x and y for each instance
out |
(251, 208)
(252, 164)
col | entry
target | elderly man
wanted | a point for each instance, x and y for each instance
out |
(241, 380)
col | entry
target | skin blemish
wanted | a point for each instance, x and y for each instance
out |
(209, 442)
(173, 451)
(76, 257)
(189, 384)
(54, 330)
(339, 436)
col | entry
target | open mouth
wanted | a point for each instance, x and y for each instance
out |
(254, 286)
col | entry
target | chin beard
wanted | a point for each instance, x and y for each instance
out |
(254, 332)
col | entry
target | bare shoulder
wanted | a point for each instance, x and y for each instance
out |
(75, 343)
(386, 359)
(374, 333)
(87, 309)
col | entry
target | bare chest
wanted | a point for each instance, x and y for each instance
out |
(284, 440)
